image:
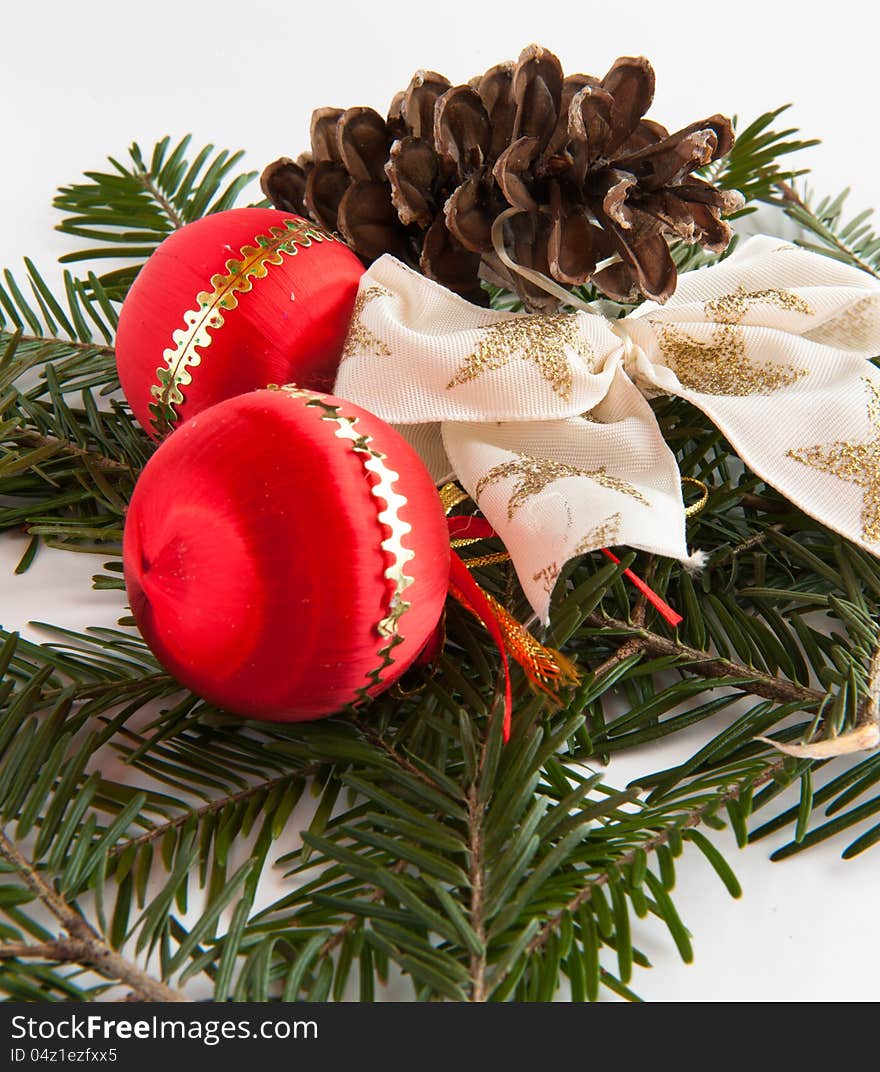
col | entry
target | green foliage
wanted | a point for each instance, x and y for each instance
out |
(755, 165)
(68, 456)
(42, 329)
(127, 211)
(852, 241)
(411, 841)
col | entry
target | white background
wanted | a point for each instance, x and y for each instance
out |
(81, 80)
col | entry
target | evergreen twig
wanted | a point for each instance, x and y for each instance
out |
(706, 663)
(84, 945)
(804, 213)
(690, 819)
(99, 461)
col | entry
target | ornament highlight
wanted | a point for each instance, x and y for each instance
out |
(286, 554)
(229, 304)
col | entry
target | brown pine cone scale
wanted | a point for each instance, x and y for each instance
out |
(578, 172)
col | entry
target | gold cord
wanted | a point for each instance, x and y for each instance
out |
(700, 504)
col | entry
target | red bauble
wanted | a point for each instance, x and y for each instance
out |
(231, 303)
(256, 549)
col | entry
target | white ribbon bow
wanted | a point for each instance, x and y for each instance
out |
(544, 419)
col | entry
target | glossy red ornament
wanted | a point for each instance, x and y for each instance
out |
(256, 549)
(231, 303)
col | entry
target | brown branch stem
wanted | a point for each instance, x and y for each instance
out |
(378, 893)
(159, 831)
(379, 742)
(85, 945)
(746, 545)
(757, 682)
(627, 648)
(100, 461)
(869, 709)
(71, 344)
(640, 607)
(174, 217)
(93, 690)
(58, 950)
(477, 883)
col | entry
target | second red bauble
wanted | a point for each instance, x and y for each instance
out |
(231, 303)
(286, 554)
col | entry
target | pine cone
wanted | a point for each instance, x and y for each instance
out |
(585, 175)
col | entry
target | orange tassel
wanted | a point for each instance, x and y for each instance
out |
(545, 668)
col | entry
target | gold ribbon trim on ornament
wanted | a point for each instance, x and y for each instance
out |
(207, 316)
(374, 462)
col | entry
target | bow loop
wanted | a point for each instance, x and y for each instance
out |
(545, 420)
(417, 353)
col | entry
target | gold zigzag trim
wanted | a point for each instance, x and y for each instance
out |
(254, 263)
(375, 462)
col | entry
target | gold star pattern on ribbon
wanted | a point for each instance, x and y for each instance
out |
(732, 308)
(535, 474)
(855, 328)
(548, 576)
(855, 463)
(360, 340)
(542, 340)
(605, 534)
(719, 366)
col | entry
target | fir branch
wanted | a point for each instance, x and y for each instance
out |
(748, 679)
(129, 210)
(756, 164)
(353, 922)
(111, 692)
(854, 242)
(99, 461)
(405, 764)
(150, 184)
(160, 830)
(84, 945)
(54, 324)
(51, 342)
(869, 710)
(691, 819)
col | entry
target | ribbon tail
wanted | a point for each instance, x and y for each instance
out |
(467, 529)
(466, 590)
(554, 490)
